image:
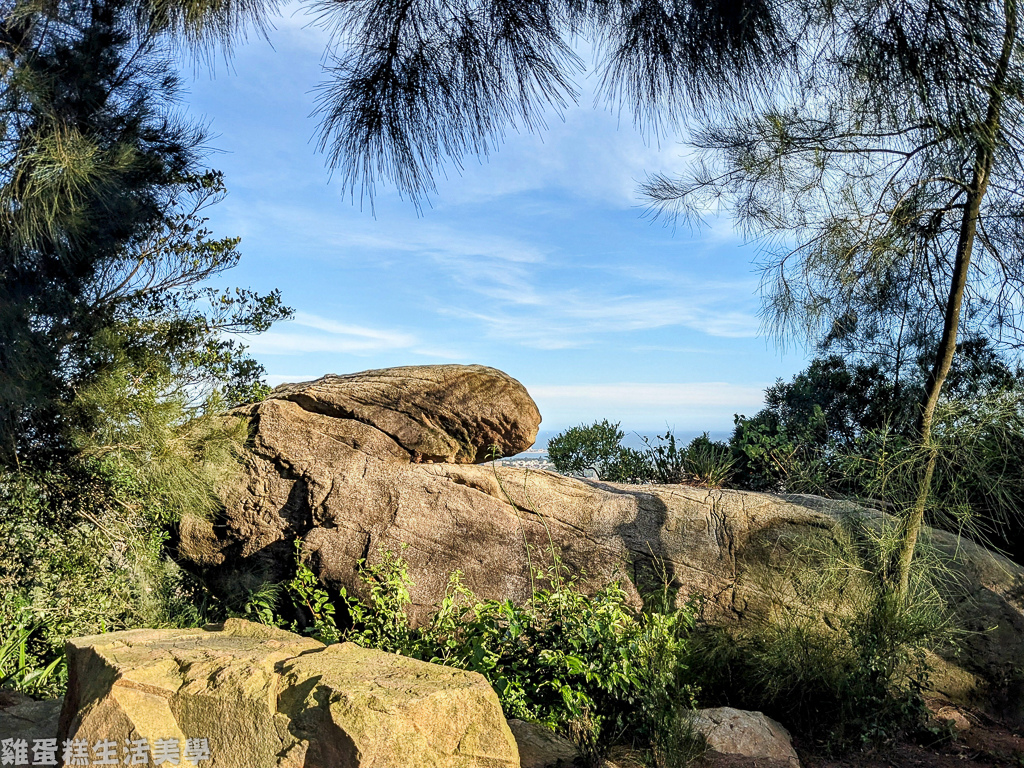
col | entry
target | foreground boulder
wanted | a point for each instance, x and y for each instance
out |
(347, 491)
(734, 733)
(243, 694)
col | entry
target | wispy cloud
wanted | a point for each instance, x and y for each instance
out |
(516, 289)
(537, 248)
(588, 152)
(578, 318)
(329, 336)
(386, 339)
(325, 335)
(276, 379)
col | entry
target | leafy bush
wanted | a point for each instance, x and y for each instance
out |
(588, 665)
(822, 433)
(667, 460)
(579, 449)
(599, 448)
(83, 540)
(708, 462)
(835, 655)
(838, 660)
(764, 454)
(840, 688)
(630, 466)
(703, 462)
(21, 670)
(75, 562)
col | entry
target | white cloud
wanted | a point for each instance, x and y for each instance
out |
(695, 406)
(694, 394)
(331, 337)
(387, 339)
(328, 336)
(590, 152)
(285, 343)
(578, 318)
(440, 353)
(276, 379)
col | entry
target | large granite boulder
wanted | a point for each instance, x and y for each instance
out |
(451, 413)
(242, 694)
(347, 491)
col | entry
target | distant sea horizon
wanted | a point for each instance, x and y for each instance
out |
(630, 439)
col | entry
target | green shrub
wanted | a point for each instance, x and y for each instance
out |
(579, 449)
(764, 454)
(630, 466)
(708, 462)
(840, 687)
(587, 665)
(848, 429)
(79, 557)
(21, 670)
(834, 654)
(667, 460)
(599, 448)
(83, 537)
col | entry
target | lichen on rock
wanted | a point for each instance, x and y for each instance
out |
(264, 697)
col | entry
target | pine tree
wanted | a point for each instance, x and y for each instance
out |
(417, 84)
(885, 182)
(101, 239)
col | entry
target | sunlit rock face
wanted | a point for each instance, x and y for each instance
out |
(242, 694)
(353, 466)
(461, 414)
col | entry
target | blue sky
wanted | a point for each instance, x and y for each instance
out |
(536, 261)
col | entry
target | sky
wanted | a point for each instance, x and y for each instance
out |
(538, 260)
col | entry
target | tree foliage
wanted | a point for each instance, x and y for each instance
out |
(583, 663)
(885, 180)
(116, 360)
(842, 428)
(417, 83)
(598, 448)
(861, 173)
(579, 449)
(102, 243)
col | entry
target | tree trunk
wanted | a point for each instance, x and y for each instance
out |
(985, 154)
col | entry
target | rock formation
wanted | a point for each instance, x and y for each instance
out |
(244, 695)
(732, 732)
(540, 747)
(334, 466)
(29, 720)
(733, 738)
(450, 413)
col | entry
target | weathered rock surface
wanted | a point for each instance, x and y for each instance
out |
(268, 698)
(348, 491)
(30, 720)
(954, 718)
(9, 698)
(733, 732)
(450, 413)
(540, 747)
